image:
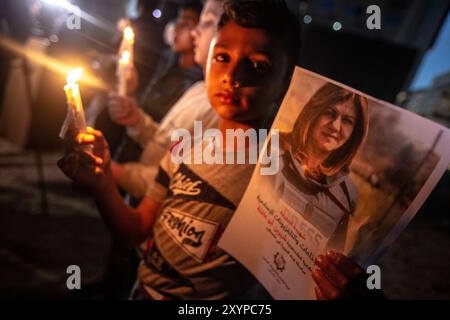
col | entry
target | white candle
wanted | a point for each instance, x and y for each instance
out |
(122, 71)
(125, 60)
(75, 113)
(128, 42)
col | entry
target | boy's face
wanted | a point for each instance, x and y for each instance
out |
(245, 73)
(206, 29)
(185, 23)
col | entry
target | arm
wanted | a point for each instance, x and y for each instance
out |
(132, 226)
(90, 167)
(132, 177)
(142, 132)
(125, 111)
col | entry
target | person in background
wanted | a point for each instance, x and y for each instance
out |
(150, 44)
(176, 72)
(134, 177)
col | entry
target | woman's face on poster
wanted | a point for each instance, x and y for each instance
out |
(334, 127)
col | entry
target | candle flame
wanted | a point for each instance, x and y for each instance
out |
(74, 75)
(125, 58)
(128, 33)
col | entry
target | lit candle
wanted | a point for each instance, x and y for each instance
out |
(125, 60)
(75, 113)
(128, 42)
(122, 72)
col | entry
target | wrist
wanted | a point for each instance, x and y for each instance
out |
(106, 184)
(135, 129)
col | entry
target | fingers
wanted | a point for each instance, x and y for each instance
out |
(118, 106)
(92, 142)
(88, 159)
(94, 132)
(75, 140)
(332, 272)
(69, 165)
(100, 145)
(344, 264)
(84, 138)
(84, 169)
(328, 290)
(319, 294)
(338, 277)
(91, 136)
(118, 112)
(115, 99)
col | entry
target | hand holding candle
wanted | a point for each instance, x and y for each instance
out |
(75, 113)
(87, 161)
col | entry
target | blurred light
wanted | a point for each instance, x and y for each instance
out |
(65, 4)
(157, 13)
(307, 19)
(49, 62)
(337, 26)
(125, 58)
(74, 75)
(128, 33)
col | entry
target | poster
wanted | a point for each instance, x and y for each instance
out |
(352, 173)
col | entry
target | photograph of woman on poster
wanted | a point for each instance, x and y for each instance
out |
(315, 157)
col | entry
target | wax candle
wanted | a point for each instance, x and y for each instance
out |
(75, 113)
(125, 59)
(123, 69)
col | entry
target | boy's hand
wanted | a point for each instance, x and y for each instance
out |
(339, 278)
(123, 110)
(87, 160)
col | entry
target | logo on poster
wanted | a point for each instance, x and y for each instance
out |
(279, 262)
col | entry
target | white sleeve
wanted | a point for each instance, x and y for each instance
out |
(143, 132)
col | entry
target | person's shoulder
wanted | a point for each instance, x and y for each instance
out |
(191, 99)
(198, 87)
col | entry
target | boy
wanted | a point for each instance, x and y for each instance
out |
(188, 206)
